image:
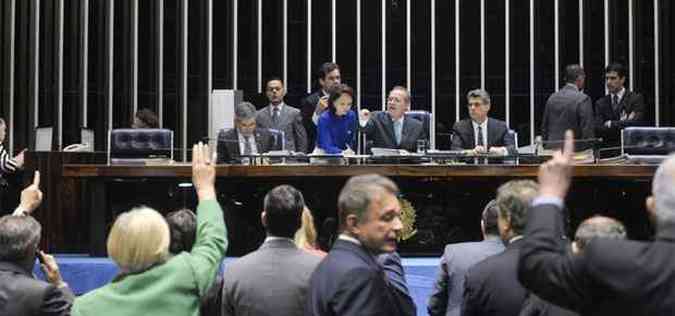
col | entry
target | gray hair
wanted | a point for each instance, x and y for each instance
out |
(19, 237)
(598, 227)
(663, 190)
(479, 93)
(514, 198)
(489, 218)
(573, 72)
(244, 111)
(359, 192)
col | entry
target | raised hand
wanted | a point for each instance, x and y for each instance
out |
(31, 196)
(203, 172)
(555, 175)
(51, 269)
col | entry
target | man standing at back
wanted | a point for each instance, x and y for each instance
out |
(281, 116)
(448, 292)
(569, 108)
(349, 280)
(619, 109)
(274, 279)
(314, 104)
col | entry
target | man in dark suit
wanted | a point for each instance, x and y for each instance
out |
(619, 109)
(448, 292)
(479, 133)
(568, 108)
(612, 277)
(393, 268)
(349, 280)
(20, 293)
(314, 104)
(245, 138)
(492, 286)
(594, 227)
(272, 280)
(392, 129)
(283, 117)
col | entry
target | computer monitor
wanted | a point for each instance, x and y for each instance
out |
(43, 138)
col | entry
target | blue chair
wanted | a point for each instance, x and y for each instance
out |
(129, 144)
(424, 117)
(648, 141)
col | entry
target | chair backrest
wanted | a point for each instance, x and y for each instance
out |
(424, 117)
(279, 139)
(648, 140)
(140, 143)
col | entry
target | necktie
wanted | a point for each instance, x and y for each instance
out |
(275, 116)
(615, 102)
(480, 136)
(248, 148)
(397, 132)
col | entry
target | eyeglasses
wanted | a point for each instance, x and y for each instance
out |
(476, 104)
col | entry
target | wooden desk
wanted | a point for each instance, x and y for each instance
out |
(463, 188)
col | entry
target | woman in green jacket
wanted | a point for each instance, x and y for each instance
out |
(150, 281)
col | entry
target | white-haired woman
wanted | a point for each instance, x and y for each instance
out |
(150, 281)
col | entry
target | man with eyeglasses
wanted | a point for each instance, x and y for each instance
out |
(481, 134)
(618, 109)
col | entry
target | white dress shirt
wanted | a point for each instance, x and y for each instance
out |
(242, 144)
(484, 130)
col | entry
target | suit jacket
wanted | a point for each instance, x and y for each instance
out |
(610, 277)
(349, 281)
(290, 122)
(380, 130)
(631, 102)
(307, 106)
(228, 144)
(498, 135)
(448, 292)
(566, 109)
(535, 306)
(492, 286)
(170, 288)
(21, 294)
(391, 262)
(270, 281)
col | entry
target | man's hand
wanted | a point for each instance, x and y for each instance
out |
(479, 150)
(322, 104)
(51, 269)
(608, 124)
(19, 158)
(501, 151)
(203, 172)
(555, 175)
(31, 196)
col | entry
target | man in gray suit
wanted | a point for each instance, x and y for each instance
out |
(391, 129)
(245, 139)
(448, 291)
(569, 108)
(283, 117)
(274, 279)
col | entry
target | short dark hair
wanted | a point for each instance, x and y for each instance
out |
(283, 207)
(273, 78)
(573, 72)
(19, 237)
(489, 218)
(359, 192)
(513, 199)
(327, 68)
(620, 69)
(183, 230)
(335, 93)
(148, 118)
(598, 227)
